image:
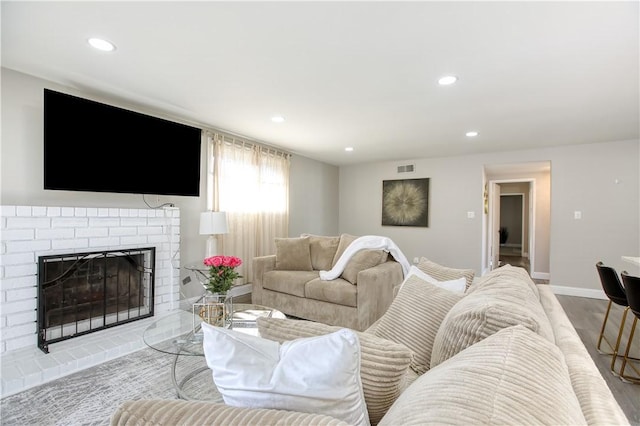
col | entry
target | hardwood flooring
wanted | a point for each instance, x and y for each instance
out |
(587, 315)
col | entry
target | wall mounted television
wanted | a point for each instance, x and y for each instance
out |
(91, 146)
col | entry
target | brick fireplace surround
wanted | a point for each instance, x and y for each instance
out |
(27, 232)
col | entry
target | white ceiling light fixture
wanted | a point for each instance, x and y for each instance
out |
(349, 149)
(471, 134)
(277, 119)
(101, 44)
(447, 80)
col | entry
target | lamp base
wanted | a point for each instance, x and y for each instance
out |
(212, 246)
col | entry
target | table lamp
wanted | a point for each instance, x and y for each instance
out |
(213, 224)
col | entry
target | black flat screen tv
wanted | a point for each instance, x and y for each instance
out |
(91, 146)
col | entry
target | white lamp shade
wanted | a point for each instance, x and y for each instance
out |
(213, 223)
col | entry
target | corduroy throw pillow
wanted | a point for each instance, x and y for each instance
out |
(444, 273)
(383, 366)
(414, 317)
(513, 377)
(502, 299)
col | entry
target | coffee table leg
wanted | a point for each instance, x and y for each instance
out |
(179, 385)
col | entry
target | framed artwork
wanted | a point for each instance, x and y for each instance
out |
(405, 202)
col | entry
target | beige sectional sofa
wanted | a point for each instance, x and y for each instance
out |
(503, 352)
(290, 281)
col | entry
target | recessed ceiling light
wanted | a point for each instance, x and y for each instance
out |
(101, 44)
(471, 134)
(277, 119)
(447, 80)
(349, 149)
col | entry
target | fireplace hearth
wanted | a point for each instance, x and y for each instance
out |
(81, 293)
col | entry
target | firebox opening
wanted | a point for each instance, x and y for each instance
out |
(81, 293)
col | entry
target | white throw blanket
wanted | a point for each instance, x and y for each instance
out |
(373, 242)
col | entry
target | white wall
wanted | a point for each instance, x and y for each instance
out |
(455, 188)
(582, 178)
(313, 196)
(21, 171)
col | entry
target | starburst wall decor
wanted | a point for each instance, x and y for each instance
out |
(405, 202)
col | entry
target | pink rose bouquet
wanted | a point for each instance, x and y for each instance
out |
(222, 272)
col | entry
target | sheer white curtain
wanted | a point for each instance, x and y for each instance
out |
(250, 183)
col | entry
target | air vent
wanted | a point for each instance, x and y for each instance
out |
(406, 168)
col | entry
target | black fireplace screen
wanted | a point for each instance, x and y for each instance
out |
(81, 293)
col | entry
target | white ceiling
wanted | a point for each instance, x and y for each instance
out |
(360, 74)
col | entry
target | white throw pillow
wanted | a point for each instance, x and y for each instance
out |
(457, 286)
(312, 375)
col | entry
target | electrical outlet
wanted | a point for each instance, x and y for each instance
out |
(577, 214)
(416, 260)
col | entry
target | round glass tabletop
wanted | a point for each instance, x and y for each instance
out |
(179, 333)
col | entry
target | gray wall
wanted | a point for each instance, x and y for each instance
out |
(583, 177)
(313, 197)
(313, 192)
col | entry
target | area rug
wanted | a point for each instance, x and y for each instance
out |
(90, 397)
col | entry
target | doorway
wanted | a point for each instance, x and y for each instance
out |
(514, 229)
(517, 217)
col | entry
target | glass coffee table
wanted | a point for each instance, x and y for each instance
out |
(179, 334)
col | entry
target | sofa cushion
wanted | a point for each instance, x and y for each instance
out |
(384, 364)
(338, 291)
(512, 377)
(322, 249)
(319, 374)
(293, 254)
(288, 282)
(509, 278)
(414, 317)
(504, 299)
(180, 412)
(363, 259)
(444, 273)
(345, 240)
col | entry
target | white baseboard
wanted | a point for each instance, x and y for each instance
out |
(580, 292)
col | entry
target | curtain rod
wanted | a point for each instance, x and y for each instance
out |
(241, 139)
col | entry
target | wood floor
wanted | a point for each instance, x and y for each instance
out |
(587, 315)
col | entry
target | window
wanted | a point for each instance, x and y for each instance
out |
(251, 183)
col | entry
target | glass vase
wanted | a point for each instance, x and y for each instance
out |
(215, 309)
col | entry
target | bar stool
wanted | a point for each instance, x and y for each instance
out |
(616, 293)
(632, 289)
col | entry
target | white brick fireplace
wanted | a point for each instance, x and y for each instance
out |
(31, 231)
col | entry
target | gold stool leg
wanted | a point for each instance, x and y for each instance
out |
(615, 349)
(626, 357)
(604, 324)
